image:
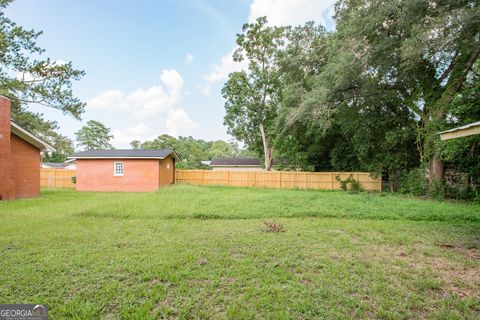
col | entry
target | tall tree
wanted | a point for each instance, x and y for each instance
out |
(252, 96)
(94, 135)
(418, 53)
(29, 78)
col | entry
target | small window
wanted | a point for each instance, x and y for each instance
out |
(168, 165)
(118, 169)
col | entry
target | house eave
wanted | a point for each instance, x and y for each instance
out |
(30, 138)
(463, 131)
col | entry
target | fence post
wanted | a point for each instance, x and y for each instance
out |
(331, 178)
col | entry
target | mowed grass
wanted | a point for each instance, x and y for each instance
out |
(203, 252)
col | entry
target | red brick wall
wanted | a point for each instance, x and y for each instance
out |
(97, 175)
(19, 161)
(6, 182)
(26, 168)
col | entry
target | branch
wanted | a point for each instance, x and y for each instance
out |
(469, 65)
(449, 69)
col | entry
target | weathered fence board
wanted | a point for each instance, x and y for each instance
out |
(57, 178)
(276, 179)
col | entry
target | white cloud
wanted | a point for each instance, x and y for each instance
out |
(221, 71)
(178, 122)
(123, 137)
(189, 58)
(143, 102)
(278, 12)
(106, 99)
(293, 12)
(157, 105)
(206, 90)
(224, 68)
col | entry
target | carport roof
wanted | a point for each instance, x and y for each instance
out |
(125, 154)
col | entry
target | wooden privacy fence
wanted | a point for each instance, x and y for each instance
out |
(276, 179)
(57, 178)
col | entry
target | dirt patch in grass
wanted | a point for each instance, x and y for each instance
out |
(462, 281)
(271, 226)
(451, 277)
(471, 252)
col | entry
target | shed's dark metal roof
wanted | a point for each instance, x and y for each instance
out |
(235, 162)
(124, 153)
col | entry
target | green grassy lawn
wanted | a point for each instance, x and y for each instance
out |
(203, 252)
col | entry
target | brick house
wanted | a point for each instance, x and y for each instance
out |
(124, 170)
(20, 157)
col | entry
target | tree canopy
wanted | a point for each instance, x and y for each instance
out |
(27, 77)
(193, 151)
(370, 95)
(93, 136)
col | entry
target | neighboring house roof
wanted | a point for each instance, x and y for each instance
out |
(235, 162)
(56, 165)
(463, 131)
(30, 137)
(125, 154)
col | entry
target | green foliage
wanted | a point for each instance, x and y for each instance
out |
(25, 76)
(252, 96)
(373, 94)
(192, 151)
(463, 154)
(94, 135)
(437, 189)
(415, 182)
(349, 184)
(45, 129)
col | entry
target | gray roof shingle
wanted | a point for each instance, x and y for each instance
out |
(124, 153)
(235, 162)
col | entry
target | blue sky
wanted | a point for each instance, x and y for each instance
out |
(152, 66)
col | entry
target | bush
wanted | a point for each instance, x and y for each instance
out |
(437, 189)
(355, 186)
(415, 182)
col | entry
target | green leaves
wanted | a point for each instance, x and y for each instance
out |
(191, 151)
(93, 136)
(29, 78)
(252, 96)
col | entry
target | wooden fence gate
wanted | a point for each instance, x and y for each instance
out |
(57, 178)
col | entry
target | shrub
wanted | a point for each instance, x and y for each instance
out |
(437, 189)
(415, 182)
(355, 186)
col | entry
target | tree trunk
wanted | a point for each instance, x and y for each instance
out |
(436, 170)
(267, 151)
